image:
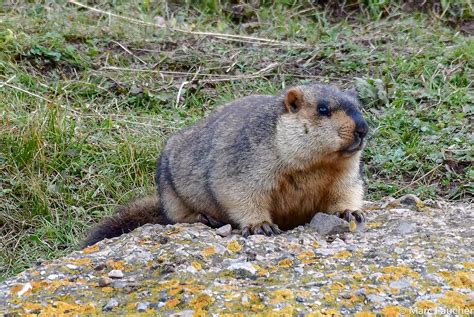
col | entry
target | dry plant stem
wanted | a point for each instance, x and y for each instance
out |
(255, 40)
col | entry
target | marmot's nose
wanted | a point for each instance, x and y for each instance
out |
(362, 128)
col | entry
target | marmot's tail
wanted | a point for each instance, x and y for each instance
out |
(128, 217)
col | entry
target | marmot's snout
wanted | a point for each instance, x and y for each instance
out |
(361, 128)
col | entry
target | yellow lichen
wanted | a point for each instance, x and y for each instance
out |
(79, 262)
(28, 307)
(468, 265)
(281, 295)
(397, 272)
(306, 255)
(172, 303)
(234, 246)
(336, 286)
(343, 254)
(91, 249)
(196, 265)
(209, 251)
(116, 265)
(455, 299)
(425, 305)
(285, 263)
(459, 279)
(316, 244)
(393, 311)
(107, 289)
(260, 270)
(352, 226)
(201, 301)
(365, 314)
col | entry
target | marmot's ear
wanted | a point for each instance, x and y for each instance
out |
(293, 99)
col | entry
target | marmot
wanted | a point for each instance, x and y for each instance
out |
(259, 163)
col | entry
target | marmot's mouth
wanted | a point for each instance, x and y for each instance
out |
(354, 147)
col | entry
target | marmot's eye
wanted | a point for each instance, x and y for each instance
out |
(323, 110)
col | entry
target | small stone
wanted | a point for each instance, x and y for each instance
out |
(406, 227)
(224, 231)
(141, 307)
(71, 266)
(110, 304)
(410, 201)
(398, 250)
(374, 298)
(116, 274)
(328, 224)
(52, 276)
(104, 281)
(400, 284)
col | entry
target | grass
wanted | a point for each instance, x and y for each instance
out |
(81, 128)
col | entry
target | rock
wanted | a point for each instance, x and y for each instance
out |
(224, 231)
(406, 227)
(141, 307)
(104, 281)
(185, 268)
(111, 304)
(328, 224)
(410, 201)
(116, 274)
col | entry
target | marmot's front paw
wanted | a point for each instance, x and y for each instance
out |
(265, 228)
(351, 215)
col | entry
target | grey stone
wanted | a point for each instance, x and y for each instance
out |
(104, 281)
(116, 274)
(141, 307)
(328, 224)
(410, 200)
(374, 298)
(110, 304)
(224, 231)
(400, 284)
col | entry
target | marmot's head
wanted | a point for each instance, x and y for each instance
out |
(321, 122)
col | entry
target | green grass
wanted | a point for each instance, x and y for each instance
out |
(89, 137)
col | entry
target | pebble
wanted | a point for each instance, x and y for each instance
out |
(411, 201)
(116, 274)
(104, 281)
(328, 224)
(111, 303)
(224, 231)
(72, 266)
(141, 307)
(400, 284)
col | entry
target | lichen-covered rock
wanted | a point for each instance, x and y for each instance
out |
(405, 262)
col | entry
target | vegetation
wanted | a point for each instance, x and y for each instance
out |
(87, 98)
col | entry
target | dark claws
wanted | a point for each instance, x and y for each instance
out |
(349, 216)
(265, 228)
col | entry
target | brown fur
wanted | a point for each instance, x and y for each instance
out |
(265, 160)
